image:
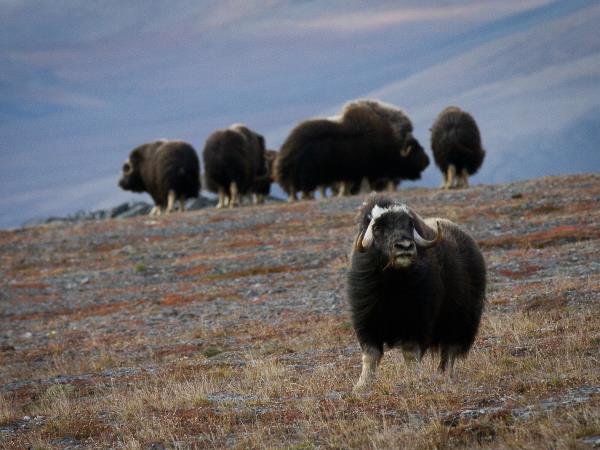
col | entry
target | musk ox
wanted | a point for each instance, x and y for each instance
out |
(369, 139)
(233, 159)
(456, 146)
(408, 166)
(262, 183)
(167, 170)
(414, 283)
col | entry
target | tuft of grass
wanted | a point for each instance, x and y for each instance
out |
(209, 352)
(9, 412)
(140, 268)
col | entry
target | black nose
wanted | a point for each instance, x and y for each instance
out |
(403, 244)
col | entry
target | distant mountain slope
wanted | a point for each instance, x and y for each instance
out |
(530, 73)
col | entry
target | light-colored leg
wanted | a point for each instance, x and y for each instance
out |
(258, 199)
(221, 202)
(465, 178)
(371, 358)
(292, 196)
(365, 186)
(343, 186)
(182, 204)
(171, 201)
(234, 195)
(154, 211)
(391, 186)
(323, 191)
(411, 352)
(450, 177)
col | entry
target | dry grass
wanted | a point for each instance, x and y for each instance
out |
(519, 360)
(210, 356)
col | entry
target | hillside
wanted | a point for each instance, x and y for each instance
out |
(229, 329)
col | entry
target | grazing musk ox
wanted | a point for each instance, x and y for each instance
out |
(418, 284)
(167, 170)
(262, 183)
(407, 166)
(369, 139)
(233, 159)
(456, 146)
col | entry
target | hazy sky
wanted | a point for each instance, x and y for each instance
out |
(82, 83)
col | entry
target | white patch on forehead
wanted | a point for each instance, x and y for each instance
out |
(376, 213)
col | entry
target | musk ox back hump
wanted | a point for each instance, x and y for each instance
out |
(387, 114)
(455, 139)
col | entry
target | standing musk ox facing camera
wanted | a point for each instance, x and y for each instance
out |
(418, 284)
(167, 170)
(456, 146)
(233, 159)
(368, 140)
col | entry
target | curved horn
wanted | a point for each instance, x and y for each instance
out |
(127, 168)
(407, 145)
(358, 243)
(424, 243)
(367, 239)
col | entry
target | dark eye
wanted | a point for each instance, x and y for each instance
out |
(376, 228)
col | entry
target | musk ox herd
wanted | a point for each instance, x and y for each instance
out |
(417, 284)
(368, 146)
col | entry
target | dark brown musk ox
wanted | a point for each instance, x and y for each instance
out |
(369, 139)
(408, 166)
(233, 158)
(456, 147)
(261, 187)
(167, 170)
(417, 284)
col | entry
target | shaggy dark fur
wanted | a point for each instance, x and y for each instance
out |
(434, 304)
(455, 139)
(365, 141)
(407, 167)
(160, 166)
(262, 183)
(235, 154)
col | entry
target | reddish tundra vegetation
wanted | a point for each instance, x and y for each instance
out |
(229, 328)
